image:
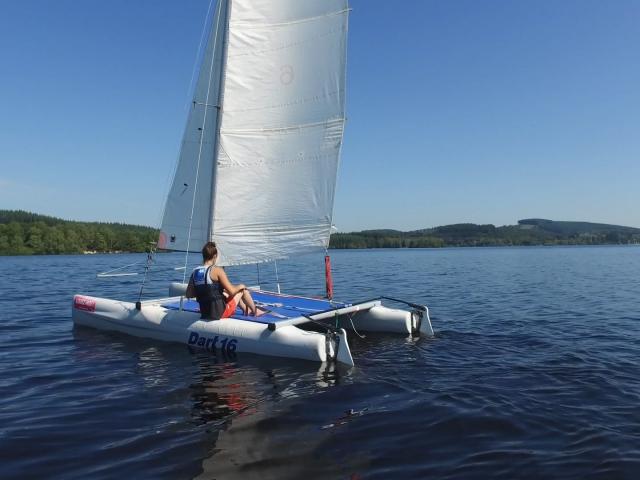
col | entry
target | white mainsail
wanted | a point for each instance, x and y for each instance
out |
(272, 161)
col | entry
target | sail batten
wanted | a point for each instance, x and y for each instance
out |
(291, 22)
(279, 129)
(282, 129)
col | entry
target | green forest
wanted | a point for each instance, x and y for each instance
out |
(25, 233)
(531, 231)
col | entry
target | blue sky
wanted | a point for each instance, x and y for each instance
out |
(484, 111)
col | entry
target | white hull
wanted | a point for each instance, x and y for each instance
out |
(226, 336)
(229, 336)
(392, 320)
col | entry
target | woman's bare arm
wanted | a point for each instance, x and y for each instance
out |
(229, 287)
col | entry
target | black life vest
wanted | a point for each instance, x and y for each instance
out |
(208, 294)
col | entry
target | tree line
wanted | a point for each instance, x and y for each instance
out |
(527, 232)
(25, 233)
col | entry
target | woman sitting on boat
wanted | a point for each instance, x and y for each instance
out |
(217, 296)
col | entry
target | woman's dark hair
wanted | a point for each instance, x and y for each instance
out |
(209, 251)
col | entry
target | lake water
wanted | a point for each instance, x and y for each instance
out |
(534, 373)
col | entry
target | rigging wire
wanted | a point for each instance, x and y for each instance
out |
(146, 270)
(198, 53)
(110, 273)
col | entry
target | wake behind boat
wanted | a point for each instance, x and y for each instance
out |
(256, 174)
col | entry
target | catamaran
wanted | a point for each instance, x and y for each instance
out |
(257, 174)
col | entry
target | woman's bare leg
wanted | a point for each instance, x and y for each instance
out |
(248, 302)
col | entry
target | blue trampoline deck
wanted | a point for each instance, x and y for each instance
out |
(278, 307)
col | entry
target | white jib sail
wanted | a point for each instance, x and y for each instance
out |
(193, 178)
(280, 133)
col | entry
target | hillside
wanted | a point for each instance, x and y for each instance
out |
(527, 232)
(25, 233)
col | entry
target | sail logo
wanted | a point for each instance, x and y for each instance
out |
(84, 303)
(227, 346)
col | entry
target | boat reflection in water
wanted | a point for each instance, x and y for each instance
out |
(224, 389)
(169, 399)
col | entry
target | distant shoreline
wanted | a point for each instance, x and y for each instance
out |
(346, 249)
(528, 232)
(26, 233)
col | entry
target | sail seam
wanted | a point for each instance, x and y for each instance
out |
(335, 121)
(313, 39)
(276, 163)
(302, 101)
(292, 22)
(257, 161)
(205, 104)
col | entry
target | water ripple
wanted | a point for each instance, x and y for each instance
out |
(533, 373)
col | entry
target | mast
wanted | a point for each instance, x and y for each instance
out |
(225, 4)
